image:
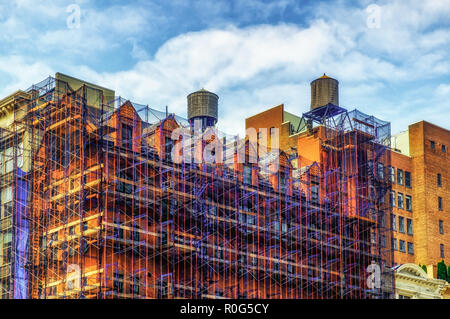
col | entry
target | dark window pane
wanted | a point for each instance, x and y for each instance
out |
(407, 179)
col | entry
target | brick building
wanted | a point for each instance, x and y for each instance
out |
(419, 173)
(103, 211)
(420, 176)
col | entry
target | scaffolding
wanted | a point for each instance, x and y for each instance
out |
(102, 210)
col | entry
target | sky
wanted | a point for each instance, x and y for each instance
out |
(392, 58)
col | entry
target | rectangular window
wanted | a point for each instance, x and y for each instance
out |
(392, 199)
(432, 145)
(9, 160)
(383, 241)
(443, 148)
(247, 174)
(127, 135)
(442, 251)
(392, 174)
(168, 145)
(408, 203)
(407, 179)
(440, 206)
(118, 282)
(394, 243)
(441, 227)
(439, 180)
(7, 195)
(409, 226)
(314, 193)
(400, 200)
(20, 155)
(382, 219)
(272, 131)
(399, 176)
(402, 247)
(411, 248)
(401, 224)
(394, 222)
(380, 170)
(282, 182)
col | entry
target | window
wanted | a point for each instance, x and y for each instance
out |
(409, 226)
(392, 199)
(407, 179)
(392, 174)
(20, 155)
(314, 193)
(9, 160)
(401, 224)
(118, 282)
(7, 197)
(259, 135)
(442, 251)
(380, 170)
(399, 176)
(52, 291)
(372, 192)
(440, 203)
(411, 248)
(400, 200)
(247, 174)
(394, 222)
(85, 226)
(277, 266)
(439, 180)
(168, 145)
(272, 131)
(432, 145)
(383, 241)
(7, 194)
(127, 135)
(441, 227)
(402, 246)
(373, 238)
(284, 228)
(382, 219)
(54, 236)
(251, 220)
(443, 148)
(135, 234)
(290, 268)
(282, 182)
(408, 203)
(136, 285)
(394, 243)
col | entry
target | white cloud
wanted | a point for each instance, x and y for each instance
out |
(22, 73)
(256, 67)
(443, 89)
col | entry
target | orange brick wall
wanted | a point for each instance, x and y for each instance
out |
(427, 163)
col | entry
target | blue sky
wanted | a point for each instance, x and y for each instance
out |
(254, 54)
